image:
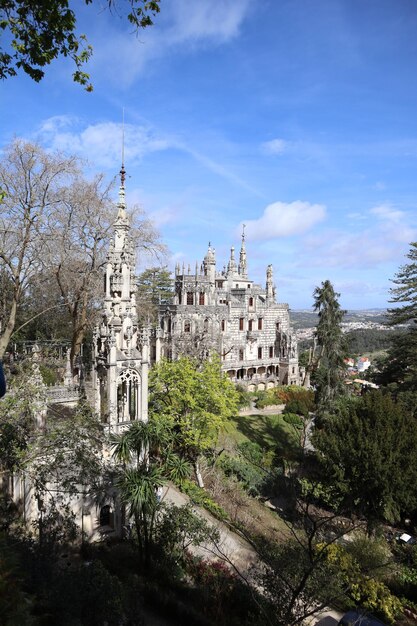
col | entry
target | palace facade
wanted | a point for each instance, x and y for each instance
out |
(228, 313)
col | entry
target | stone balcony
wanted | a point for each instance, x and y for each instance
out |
(246, 364)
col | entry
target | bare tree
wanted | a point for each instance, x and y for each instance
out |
(54, 232)
(32, 182)
(78, 248)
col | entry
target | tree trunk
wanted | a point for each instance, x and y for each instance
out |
(199, 477)
(8, 331)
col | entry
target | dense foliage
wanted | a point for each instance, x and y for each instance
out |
(37, 33)
(369, 454)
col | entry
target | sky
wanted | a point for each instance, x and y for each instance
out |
(297, 118)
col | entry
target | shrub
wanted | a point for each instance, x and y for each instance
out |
(251, 477)
(49, 376)
(293, 419)
(296, 406)
(200, 497)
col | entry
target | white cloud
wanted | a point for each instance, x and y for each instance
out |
(217, 20)
(282, 219)
(183, 23)
(101, 143)
(387, 213)
(394, 224)
(275, 146)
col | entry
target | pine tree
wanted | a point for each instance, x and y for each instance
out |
(329, 364)
(401, 364)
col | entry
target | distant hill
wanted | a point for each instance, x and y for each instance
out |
(305, 318)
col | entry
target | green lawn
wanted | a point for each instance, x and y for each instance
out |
(271, 432)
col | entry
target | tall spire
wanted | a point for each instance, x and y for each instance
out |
(243, 269)
(121, 215)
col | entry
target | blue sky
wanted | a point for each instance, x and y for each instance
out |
(296, 117)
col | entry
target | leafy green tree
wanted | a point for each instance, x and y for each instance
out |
(39, 32)
(196, 399)
(368, 453)
(180, 528)
(329, 365)
(154, 287)
(61, 459)
(401, 364)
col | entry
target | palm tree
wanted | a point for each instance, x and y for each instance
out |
(146, 451)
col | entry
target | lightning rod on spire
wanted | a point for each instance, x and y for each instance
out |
(122, 170)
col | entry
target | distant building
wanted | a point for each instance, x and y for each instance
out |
(363, 363)
(226, 312)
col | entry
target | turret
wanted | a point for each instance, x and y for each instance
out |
(270, 289)
(209, 264)
(243, 269)
(231, 266)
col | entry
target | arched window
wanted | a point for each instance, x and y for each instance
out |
(128, 396)
(187, 326)
(240, 355)
(206, 325)
(105, 515)
(250, 300)
(250, 325)
(260, 323)
(223, 325)
(201, 298)
(190, 297)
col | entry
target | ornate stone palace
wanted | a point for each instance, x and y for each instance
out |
(226, 312)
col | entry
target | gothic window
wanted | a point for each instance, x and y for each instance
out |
(277, 326)
(241, 355)
(190, 297)
(248, 286)
(250, 300)
(128, 396)
(201, 298)
(260, 322)
(259, 353)
(187, 326)
(223, 325)
(206, 325)
(241, 323)
(220, 284)
(271, 352)
(169, 324)
(106, 516)
(237, 286)
(293, 370)
(250, 325)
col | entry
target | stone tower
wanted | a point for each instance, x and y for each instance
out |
(120, 350)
